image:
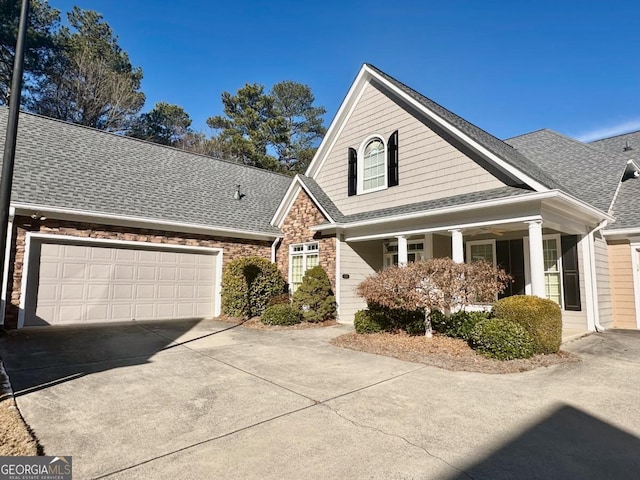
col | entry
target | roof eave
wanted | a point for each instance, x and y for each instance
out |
(139, 222)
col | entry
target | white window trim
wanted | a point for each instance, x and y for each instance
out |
(394, 243)
(491, 241)
(303, 254)
(527, 265)
(360, 187)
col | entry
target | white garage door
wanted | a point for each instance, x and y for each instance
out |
(88, 283)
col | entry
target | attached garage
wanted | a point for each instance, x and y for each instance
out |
(71, 280)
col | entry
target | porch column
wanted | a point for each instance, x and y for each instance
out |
(536, 258)
(403, 256)
(428, 245)
(457, 249)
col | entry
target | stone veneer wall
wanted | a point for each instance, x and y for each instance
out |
(304, 214)
(232, 247)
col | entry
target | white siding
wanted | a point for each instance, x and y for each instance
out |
(430, 167)
(358, 260)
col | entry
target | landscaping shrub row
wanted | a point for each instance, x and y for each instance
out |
(517, 327)
(253, 286)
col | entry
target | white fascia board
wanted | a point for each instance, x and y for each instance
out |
(354, 93)
(461, 226)
(286, 202)
(137, 222)
(622, 232)
(535, 196)
(510, 169)
(290, 197)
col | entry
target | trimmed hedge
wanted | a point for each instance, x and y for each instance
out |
(541, 317)
(281, 314)
(248, 284)
(457, 325)
(314, 296)
(501, 339)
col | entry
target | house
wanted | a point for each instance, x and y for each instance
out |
(106, 228)
(399, 178)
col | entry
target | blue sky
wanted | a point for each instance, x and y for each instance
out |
(510, 67)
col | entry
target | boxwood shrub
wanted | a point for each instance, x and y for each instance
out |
(369, 321)
(501, 339)
(458, 324)
(541, 317)
(248, 284)
(281, 314)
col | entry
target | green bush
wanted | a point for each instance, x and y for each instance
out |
(394, 319)
(457, 325)
(314, 296)
(282, 299)
(367, 321)
(501, 339)
(281, 314)
(541, 317)
(248, 284)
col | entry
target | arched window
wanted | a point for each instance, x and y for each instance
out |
(374, 165)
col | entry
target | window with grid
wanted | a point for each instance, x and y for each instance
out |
(374, 165)
(552, 285)
(302, 257)
(479, 250)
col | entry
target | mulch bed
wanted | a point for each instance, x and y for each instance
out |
(444, 352)
(256, 324)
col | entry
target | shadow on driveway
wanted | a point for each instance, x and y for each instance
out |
(77, 351)
(568, 444)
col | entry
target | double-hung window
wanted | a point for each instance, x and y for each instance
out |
(374, 168)
(302, 257)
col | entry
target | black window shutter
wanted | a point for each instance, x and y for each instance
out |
(392, 160)
(353, 171)
(570, 273)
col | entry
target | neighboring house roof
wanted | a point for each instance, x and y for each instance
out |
(626, 207)
(67, 166)
(496, 146)
(620, 142)
(589, 173)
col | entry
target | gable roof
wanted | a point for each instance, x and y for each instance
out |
(515, 165)
(503, 150)
(588, 173)
(66, 166)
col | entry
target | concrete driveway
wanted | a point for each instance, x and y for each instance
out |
(202, 400)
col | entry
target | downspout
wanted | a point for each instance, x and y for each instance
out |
(274, 247)
(5, 273)
(594, 277)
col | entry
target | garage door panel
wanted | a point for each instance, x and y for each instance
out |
(87, 283)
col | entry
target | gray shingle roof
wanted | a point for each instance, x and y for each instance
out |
(618, 143)
(59, 164)
(323, 199)
(426, 206)
(491, 143)
(587, 172)
(627, 202)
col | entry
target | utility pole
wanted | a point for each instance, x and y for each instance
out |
(12, 133)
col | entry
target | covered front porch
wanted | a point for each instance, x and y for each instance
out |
(549, 252)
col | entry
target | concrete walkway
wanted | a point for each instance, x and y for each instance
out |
(202, 400)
